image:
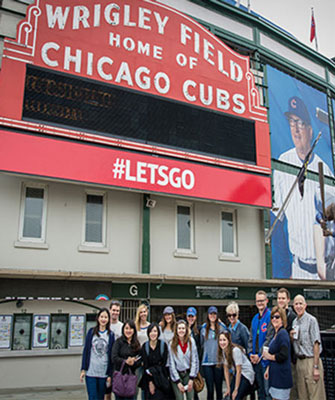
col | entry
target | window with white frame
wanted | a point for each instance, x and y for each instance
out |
(94, 232)
(184, 228)
(33, 213)
(228, 233)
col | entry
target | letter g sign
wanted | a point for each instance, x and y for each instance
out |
(133, 290)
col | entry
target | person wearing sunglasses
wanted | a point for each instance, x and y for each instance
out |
(278, 371)
(239, 332)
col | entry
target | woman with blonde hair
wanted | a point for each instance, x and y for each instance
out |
(142, 323)
(239, 332)
(183, 361)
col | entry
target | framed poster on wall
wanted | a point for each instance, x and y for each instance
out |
(6, 326)
(76, 330)
(41, 325)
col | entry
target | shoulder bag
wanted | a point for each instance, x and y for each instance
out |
(124, 385)
(198, 383)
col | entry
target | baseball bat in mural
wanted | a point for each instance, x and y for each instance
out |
(322, 188)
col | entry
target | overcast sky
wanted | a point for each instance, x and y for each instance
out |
(295, 17)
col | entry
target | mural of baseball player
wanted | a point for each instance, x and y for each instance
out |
(294, 125)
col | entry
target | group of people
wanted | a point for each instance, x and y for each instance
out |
(284, 347)
(279, 357)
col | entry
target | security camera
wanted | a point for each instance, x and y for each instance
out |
(151, 203)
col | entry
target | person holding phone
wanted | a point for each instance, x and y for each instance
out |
(127, 349)
(183, 361)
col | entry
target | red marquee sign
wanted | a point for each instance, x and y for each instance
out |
(141, 45)
(100, 165)
(148, 47)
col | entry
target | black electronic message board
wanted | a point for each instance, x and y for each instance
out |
(73, 102)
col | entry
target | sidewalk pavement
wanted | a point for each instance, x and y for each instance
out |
(58, 394)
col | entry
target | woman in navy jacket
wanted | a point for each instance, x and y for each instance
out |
(96, 365)
(279, 371)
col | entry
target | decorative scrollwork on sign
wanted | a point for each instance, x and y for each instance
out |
(256, 109)
(30, 26)
(24, 45)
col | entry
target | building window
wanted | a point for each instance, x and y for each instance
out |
(184, 228)
(94, 232)
(59, 332)
(22, 332)
(228, 233)
(91, 321)
(33, 213)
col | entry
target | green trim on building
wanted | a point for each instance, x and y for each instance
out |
(285, 39)
(199, 293)
(145, 236)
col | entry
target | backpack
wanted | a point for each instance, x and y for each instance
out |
(146, 346)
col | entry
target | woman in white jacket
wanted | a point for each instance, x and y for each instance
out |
(183, 361)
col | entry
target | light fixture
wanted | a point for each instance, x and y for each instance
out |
(150, 203)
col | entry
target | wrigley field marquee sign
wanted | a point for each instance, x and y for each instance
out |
(136, 75)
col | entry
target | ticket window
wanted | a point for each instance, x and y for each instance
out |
(22, 332)
(91, 321)
(59, 325)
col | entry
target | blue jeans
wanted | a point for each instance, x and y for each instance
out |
(213, 377)
(124, 398)
(96, 388)
(263, 385)
(243, 389)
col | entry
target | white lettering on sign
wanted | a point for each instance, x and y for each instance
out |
(130, 44)
(133, 290)
(209, 53)
(206, 94)
(153, 174)
(146, 46)
(51, 54)
(112, 14)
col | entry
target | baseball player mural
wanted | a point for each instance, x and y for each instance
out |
(298, 113)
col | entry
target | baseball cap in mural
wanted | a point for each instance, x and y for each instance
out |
(297, 107)
(191, 311)
(168, 310)
(212, 309)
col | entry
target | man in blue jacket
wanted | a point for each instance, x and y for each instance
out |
(259, 326)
